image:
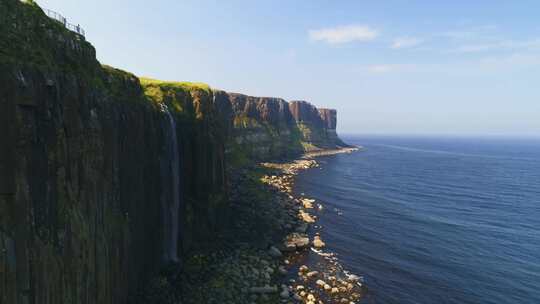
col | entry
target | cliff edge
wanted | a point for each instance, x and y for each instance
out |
(105, 177)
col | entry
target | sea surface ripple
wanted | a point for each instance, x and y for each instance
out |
(434, 220)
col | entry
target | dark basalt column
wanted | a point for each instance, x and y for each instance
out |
(7, 138)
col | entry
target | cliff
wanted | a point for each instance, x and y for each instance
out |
(263, 128)
(105, 177)
(317, 126)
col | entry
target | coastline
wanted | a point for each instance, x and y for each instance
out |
(314, 275)
(271, 254)
(329, 152)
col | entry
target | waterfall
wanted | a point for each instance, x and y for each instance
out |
(171, 167)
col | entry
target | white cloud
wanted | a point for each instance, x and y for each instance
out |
(405, 42)
(343, 34)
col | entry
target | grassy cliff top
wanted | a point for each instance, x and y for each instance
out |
(183, 85)
(180, 95)
(173, 93)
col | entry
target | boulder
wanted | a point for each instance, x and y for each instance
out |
(312, 274)
(317, 242)
(296, 240)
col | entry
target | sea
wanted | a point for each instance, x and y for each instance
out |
(434, 219)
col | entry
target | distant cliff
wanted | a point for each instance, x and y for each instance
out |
(262, 128)
(105, 177)
(267, 127)
(317, 126)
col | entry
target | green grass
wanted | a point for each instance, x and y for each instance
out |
(171, 92)
(183, 85)
(30, 38)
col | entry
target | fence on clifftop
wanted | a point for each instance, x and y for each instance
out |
(57, 17)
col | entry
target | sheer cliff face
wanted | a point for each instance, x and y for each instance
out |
(266, 128)
(86, 170)
(263, 128)
(306, 113)
(317, 126)
(73, 216)
(81, 181)
(80, 213)
(329, 118)
(273, 111)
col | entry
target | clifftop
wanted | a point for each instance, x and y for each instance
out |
(29, 37)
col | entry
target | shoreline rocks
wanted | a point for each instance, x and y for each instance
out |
(299, 241)
(275, 233)
(326, 282)
(318, 243)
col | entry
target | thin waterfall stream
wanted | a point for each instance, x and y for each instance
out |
(171, 209)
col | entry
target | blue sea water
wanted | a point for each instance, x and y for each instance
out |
(434, 220)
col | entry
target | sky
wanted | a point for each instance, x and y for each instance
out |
(388, 67)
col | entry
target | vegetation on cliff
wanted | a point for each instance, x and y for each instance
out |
(184, 97)
(174, 85)
(29, 37)
(83, 164)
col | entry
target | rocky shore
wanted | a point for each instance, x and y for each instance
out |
(273, 254)
(328, 152)
(314, 275)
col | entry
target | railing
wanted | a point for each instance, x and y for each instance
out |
(56, 16)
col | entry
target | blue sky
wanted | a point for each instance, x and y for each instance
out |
(417, 67)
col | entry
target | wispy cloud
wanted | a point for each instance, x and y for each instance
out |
(343, 34)
(511, 61)
(499, 45)
(469, 33)
(499, 63)
(475, 48)
(486, 39)
(405, 42)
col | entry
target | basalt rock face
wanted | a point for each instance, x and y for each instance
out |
(263, 128)
(88, 175)
(317, 126)
(73, 219)
(329, 118)
(306, 113)
(82, 179)
(202, 131)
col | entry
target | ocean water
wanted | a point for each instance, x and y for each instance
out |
(434, 220)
